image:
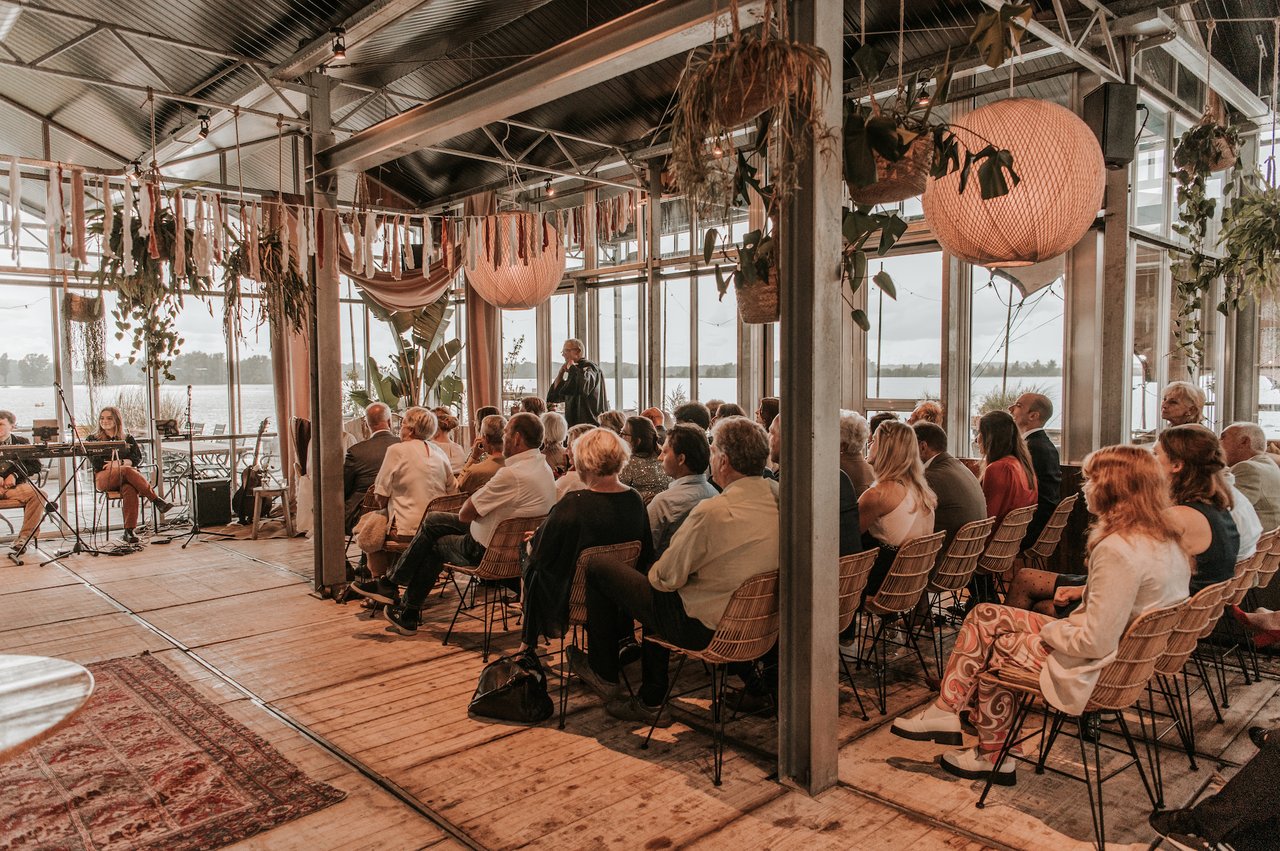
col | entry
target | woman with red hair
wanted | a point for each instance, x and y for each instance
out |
(1136, 563)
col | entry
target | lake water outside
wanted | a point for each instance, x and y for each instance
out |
(208, 403)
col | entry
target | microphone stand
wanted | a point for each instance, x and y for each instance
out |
(51, 507)
(193, 507)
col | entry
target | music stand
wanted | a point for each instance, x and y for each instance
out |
(192, 508)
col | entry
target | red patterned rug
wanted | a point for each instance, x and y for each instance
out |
(149, 763)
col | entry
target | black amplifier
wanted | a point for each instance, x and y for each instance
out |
(213, 502)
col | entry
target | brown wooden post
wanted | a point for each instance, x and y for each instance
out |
(326, 357)
(811, 346)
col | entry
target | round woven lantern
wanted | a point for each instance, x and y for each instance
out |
(518, 264)
(1063, 176)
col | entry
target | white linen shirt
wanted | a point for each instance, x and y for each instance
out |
(412, 474)
(524, 487)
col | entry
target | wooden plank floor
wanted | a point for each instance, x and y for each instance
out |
(344, 698)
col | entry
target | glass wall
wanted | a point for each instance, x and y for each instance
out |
(519, 355)
(717, 343)
(677, 386)
(904, 345)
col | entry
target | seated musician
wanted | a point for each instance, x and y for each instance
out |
(16, 483)
(118, 470)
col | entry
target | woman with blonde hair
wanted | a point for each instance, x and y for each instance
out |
(446, 422)
(1136, 564)
(898, 507)
(555, 433)
(606, 512)
(118, 470)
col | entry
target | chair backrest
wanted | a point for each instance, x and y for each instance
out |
(1270, 562)
(749, 625)
(1047, 543)
(854, 570)
(1143, 643)
(502, 556)
(1246, 572)
(1232, 588)
(626, 554)
(961, 558)
(1198, 614)
(220, 428)
(451, 502)
(1006, 541)
(908, 575)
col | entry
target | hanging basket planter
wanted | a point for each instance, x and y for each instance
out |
(758, 302)
(1049, 209)
(898, 180)
(83, 308)
(516, 260)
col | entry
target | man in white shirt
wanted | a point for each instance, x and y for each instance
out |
(524, 487)
(685, 456)
(724, 541)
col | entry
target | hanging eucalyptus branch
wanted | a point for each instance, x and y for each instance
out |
(286, 298)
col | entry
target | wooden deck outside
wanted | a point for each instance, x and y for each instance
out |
(384, 717)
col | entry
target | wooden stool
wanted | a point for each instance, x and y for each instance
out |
(258, 495)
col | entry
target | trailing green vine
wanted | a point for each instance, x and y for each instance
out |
(286, 298)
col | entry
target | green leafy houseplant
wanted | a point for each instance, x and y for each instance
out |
(1250, 240)
(421, 359)
(149, 300)
(286, 298)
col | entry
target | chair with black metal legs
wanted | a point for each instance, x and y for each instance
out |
(501, 563)
(1172, 683)
(1039, 553)
(1225, 637)
(626, 554)
(952, 575)
(897, 597)
(747, 630)
(1003, 546)
(854, 570)
(1119, 687)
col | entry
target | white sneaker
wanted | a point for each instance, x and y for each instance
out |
(929, 725)
(973, 765)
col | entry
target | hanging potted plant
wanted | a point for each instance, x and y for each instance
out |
(286, 298)
(758, 74)
(1250, 240)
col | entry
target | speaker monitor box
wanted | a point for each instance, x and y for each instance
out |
(213, 502)
(1111, 111)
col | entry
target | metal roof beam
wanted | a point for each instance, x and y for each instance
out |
(655, 32)
(360, 26)
(64, 130)
(1063, 43)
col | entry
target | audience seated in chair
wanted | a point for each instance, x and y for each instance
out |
(606, 512)
(644, 469)
(17, 483)
(685, 457)
(1256, 476)
(960, 497)
(414, 472)
(523, 487)
(693, 412)
(1030, 412)
(364, 460)
(1136, 564)
(613, 420)
(724, 541)
(446, 422)
(119, 471)
(928, 411)
(854, 432)
(571, 481)
(1182, 403)
(555, 435)
(486, 455)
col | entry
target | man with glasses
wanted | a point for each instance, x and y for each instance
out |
(579, 386)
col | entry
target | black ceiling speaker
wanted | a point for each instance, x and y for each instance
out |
(1111, 111)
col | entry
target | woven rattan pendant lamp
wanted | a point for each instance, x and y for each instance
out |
(516, 260)
(1063, 175)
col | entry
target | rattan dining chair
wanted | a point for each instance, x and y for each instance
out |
(451, 503)
(952, 575)
(1226, 637)
(501, 563)
(1004, 545)
(898, 597)
(1039, 553)
(854, 570)
(1269, 546)
(747, 630)
(1120, 685)
(1172, 683)
(626, 554)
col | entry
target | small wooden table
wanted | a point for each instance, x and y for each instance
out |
(38, 696)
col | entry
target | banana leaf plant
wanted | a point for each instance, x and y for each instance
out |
(422, 357)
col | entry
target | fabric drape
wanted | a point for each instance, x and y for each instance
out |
(484, 329)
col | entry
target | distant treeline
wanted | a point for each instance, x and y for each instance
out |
(36, 370)
(528, 370)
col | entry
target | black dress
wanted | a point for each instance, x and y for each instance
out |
(1218, 562)
(580, 520)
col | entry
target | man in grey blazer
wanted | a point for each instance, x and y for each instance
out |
(364, 460)
(960, 498)
(1257, 476)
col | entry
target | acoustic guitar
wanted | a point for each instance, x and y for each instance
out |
(250, 478)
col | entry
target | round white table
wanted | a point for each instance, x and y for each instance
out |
(38, 695)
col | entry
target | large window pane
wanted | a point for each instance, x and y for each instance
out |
(904, 346)
(1151, 174)
(717, 343)
(677, 385)
(26, 355)
(519, 348)
(1150, 267)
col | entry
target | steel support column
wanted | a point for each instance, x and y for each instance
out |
(811, 343)
(326, 359)
(656, 319)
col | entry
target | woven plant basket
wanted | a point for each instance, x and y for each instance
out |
(898, 181)
(83, 308)
(749, 92)
(758, 302)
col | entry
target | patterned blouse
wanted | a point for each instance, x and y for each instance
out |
(644, 473)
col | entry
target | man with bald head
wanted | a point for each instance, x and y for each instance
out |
(364, 459)
(1257, 476)
(1030, 412)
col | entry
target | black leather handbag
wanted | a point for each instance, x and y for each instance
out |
(513, 688)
